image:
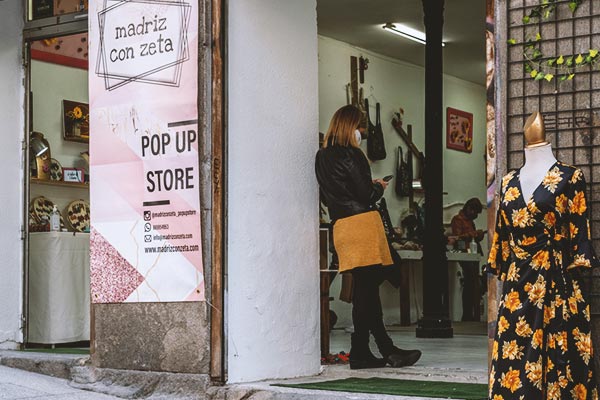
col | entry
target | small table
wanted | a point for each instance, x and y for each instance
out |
(59, 287)
(417, 255)
(450, 255)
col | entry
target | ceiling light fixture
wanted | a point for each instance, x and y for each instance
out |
(407, 33)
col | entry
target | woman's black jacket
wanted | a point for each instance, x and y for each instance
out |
(345, 181)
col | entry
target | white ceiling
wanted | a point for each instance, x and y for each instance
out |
(359, 23)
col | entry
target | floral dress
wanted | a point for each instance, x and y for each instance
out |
(542, 348)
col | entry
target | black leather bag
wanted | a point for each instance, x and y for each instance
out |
(375, 142)
(404, 174)
(390, 233)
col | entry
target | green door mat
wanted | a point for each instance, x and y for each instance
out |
(399, 387)
(60, 350)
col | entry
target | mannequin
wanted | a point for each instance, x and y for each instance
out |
(538, 155)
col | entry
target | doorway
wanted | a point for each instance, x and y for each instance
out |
(375, 53)
(57, 289)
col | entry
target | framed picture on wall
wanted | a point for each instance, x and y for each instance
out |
(42, 8)
(76, 121)
(459, 130)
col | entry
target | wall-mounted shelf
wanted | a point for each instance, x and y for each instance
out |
(35, 181)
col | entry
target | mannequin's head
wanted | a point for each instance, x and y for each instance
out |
(534, 131)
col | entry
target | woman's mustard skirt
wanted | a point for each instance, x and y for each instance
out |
(360, 241)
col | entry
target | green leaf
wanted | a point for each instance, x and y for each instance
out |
(593, 53)
(526, 19)
(569, 61)
(564, 78)
(538, 37)
(528, 68)
(548, 77)
(560, 60)
(578, 60)
(536, 54)
(534, 73)
(551, 61)
(511, 41)
(539, 76)
(573, 6)
(588, 59)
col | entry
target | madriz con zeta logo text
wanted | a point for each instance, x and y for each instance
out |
(151, 48)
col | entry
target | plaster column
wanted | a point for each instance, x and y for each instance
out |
(272, 319)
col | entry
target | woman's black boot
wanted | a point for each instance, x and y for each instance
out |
(398, 358)
(361, 356)
(395, 356)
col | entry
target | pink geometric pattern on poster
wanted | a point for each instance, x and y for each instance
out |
(113, 279)
(197, 294)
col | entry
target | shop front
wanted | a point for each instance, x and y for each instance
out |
(191, 240)
(149, 86)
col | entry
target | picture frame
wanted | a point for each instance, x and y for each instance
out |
(76, 121)
(42, 9)
(459, 130)
(76, 175)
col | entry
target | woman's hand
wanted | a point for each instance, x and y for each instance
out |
(381, 182)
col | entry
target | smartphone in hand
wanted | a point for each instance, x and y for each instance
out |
(388, 178)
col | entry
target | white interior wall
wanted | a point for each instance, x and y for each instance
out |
(11, 195)
(396, 84)
(50, 85)
(273, 290)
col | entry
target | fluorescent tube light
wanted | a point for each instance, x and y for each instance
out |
(407, 33)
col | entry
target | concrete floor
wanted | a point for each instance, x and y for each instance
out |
(462, 358)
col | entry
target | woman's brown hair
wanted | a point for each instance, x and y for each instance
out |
(342, 126)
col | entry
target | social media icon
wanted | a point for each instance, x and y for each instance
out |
(147, 216)
(147, 227)
(147, 238)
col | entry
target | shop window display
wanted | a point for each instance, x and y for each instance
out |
(58, 259)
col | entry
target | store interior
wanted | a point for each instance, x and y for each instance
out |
(58, 297)
(360, 60)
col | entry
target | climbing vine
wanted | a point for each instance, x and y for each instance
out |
(562, 67)
(546, 8)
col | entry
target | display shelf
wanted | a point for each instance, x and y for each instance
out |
(79, 139)
(48, 182)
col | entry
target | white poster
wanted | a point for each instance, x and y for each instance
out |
(144, 138)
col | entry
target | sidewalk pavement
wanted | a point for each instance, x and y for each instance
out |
(16, 384)
(19, 384)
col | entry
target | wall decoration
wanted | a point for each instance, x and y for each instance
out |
(56, 170)
(71, 50)
(42, 8)
(40, 209)
(459, 130)
(76, 121)
(78, 215)
(69, 6)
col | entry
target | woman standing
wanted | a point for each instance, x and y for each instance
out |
(350, 193)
